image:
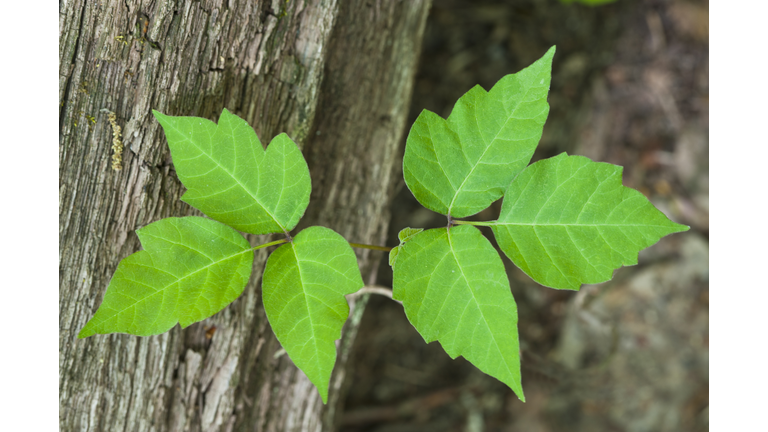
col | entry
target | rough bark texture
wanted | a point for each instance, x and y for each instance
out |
(335, 75)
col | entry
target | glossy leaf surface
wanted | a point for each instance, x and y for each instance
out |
(567, 221)
(190, 268)
(455, 290)
(230, 177)
(461, 165)
(305, 282)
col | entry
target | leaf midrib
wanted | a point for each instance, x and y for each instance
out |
(255, 198)
(488, 146)
(534, 224)
(306, 303)
(162, 290)
(493, 337)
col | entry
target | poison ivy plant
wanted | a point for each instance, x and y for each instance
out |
(304, 287)
(230, 177)
(567, 221)
(190, 269)
(459, 166)
(455, 290)
(564, 221)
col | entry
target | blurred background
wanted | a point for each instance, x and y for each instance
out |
(630, 86)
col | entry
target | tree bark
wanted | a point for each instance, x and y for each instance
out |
(335, 75)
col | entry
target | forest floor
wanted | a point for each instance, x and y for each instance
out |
(631, 87)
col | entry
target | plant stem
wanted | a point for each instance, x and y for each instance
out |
(367, 246)
(276, 242)
(375, 289)
(476, 223)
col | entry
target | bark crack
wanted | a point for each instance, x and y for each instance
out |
(73, 60)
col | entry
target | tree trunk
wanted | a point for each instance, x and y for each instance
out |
(335, 75)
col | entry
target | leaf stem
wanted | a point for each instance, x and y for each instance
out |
(274, 243)
(476, 223)
(375, 289)
(367, 246)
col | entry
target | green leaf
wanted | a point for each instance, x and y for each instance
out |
(304, 287)
(404, 235)
(567, 221)
(460, 166)
(190, 269)
(230, 177)
(455, 290)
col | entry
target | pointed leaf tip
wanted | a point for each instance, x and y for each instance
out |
(550, 54)
(303, 290)
(461, 165)
(455, 290)
(190, 269)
